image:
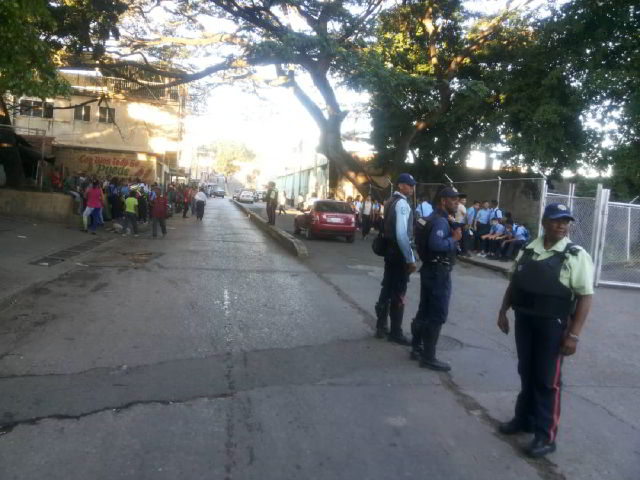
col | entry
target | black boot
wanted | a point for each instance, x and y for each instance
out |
(382, 313)
(396, 313)
(416, 340)
(430, 335)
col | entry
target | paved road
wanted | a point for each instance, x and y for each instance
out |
(600, 425)
(215, 354)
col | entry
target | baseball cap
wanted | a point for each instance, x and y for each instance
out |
(406, 178)
(449, 192)
(557, 210)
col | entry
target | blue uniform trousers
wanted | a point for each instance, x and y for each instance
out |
(538, 342)
(435, 293)
(395, 279)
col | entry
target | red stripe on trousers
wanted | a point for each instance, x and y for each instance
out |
(556, 401)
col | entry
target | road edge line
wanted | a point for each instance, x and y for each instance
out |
(288, 241)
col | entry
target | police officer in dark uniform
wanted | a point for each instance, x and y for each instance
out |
(437, 241)
(550, 291)
(399, 261)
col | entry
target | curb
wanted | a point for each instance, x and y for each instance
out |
(504, 268)
(288, 241)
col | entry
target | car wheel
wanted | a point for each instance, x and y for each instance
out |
(309, 234)
(350, 238)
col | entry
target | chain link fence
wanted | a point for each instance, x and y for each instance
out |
(520, 197)
(620, 261)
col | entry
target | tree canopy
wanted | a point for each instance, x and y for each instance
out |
(37, 35)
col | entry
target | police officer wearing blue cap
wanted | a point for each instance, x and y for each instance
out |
(550, 291)
(437, 242)
(399, 261)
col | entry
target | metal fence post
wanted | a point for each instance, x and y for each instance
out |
(628, 234)
(543, 200)
(572, 193)
(499, 190)
(602, 215)
(597, 222)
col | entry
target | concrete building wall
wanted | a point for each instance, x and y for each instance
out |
(51, 207)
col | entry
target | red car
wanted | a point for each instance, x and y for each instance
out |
(327, 218)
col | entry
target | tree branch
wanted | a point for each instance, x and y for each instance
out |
(305, 100)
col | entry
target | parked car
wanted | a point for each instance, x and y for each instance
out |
(247, 196)
(327, 218)
(218, 192)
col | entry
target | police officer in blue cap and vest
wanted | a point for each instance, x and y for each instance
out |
(437, 242)
(550, 291)
(399, 261)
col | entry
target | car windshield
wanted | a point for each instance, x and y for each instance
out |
(332, 207)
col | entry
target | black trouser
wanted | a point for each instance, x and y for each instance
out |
(282, 209)
(483, 229)
(366, 225)
(199, 209)
(185, 208)
(142, 208)
(538, 342)
(493, 246)
(131, 218)
(467, 241)
(163, 226)
(271, 213)
(394, 287)
(511, 249)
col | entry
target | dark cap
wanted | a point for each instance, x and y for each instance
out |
(448, 192)
(406, 178)
(557, 210)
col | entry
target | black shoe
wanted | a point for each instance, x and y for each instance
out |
(434, 364)
(381, 333)
(514, 426)
(415, 354)
(539, 448)
(398, 338)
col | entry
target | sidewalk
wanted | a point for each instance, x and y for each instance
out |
(33, 252)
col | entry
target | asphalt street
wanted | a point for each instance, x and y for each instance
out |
(214, 354)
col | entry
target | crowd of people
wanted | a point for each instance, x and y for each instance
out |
(131, 203)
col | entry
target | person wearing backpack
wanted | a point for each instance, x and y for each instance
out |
(437, 243)
(399, 261)
(551, 291)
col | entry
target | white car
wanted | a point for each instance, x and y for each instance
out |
(246, 196)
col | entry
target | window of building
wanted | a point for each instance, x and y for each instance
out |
(82, 113)
(35, 108)
(107, 115)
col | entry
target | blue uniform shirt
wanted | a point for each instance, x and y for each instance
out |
(471, 215)
(424, 209)
(440, 239)
(497, 229)
(404, 228)
(519, 232)
(483, 215)
(495, 213)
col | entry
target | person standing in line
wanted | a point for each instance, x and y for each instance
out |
(495, 211)
(482, 225)
(461, 219)
(399, 261)
(468, 234)
(200, 200)
(131, 213)
(437, 244)
(282, 203)
(272, 202)
(424, 208)
(186, 201)
(366, 213)
(94, 204)
(159, 213)
(551, 292)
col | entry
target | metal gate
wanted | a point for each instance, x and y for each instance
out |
(609, 231)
